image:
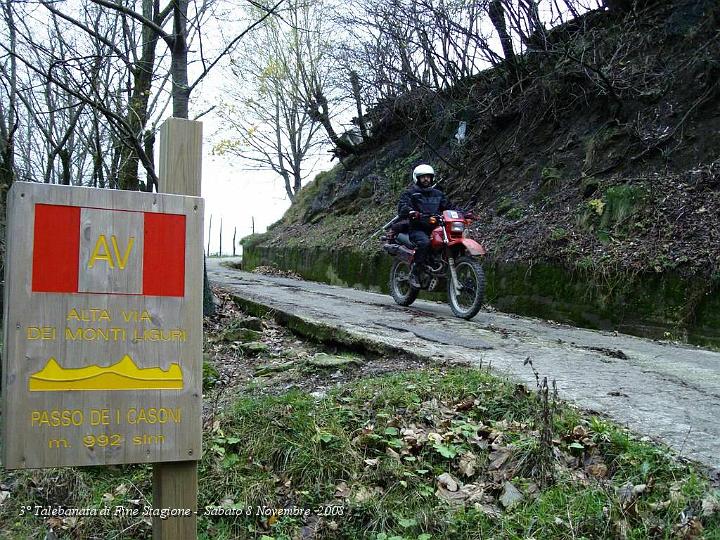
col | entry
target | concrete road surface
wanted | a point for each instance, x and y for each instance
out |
(668, 392)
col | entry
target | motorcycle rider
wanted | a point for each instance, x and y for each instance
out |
(417, 204)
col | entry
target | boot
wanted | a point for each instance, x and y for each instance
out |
(414, 277)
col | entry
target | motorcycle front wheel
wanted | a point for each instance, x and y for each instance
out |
(400, 288)
(471, 280)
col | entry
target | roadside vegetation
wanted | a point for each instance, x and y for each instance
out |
(354, 445)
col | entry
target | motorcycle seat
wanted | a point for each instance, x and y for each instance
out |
(404, 239)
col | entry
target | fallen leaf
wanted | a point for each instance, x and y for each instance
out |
(342, 491)
(689, 528)
(446, 481)
(3, 496)
(660, 505)
(466, 404)
(453, 497)
(473, 492)
(467, 464)
(371, 462)
(510, 496)
(364, 494)
(498, 458)
(598, 470)
(54, 522)
(676, 491)
(710, 506)
(435, 438)
(489, 510)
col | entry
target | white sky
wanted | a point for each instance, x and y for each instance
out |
(236, 196)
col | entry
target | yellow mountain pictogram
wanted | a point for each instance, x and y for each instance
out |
(124, 375)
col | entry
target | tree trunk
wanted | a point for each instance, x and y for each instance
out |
(496, 12)
(288, 187)
(320, 113)
(149, 147)
(179, 63)
(354, 81)
(65, 174)
(97, 151)
(536, 31)
(137, 107)
(8, 124)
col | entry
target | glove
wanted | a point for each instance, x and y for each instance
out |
(414, 214)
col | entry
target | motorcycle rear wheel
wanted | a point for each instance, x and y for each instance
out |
(399, 285)
(472, 294)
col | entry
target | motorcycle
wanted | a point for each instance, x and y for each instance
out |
(453, 258)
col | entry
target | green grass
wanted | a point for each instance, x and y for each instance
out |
(351, 454)
(316, 446)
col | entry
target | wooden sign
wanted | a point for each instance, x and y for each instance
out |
(102, 358)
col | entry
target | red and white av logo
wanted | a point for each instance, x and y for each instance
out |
(97, 250)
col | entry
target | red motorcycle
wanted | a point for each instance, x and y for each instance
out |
(453, 258)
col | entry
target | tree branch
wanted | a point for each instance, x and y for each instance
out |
(230, 45)
(129, 138)
(87, 29)
(134, 15)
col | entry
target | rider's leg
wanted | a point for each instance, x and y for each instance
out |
(422, 249)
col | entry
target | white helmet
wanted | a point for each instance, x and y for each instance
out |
(422, 170)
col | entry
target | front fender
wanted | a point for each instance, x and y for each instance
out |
(473, 248)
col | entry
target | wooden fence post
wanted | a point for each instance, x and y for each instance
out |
(175, 484)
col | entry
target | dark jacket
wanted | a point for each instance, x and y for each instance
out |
(426, 201)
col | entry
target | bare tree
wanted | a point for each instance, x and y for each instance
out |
(8, 104)
(102, 84)
(271, 118)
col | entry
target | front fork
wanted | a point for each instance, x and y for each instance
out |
(451, 264)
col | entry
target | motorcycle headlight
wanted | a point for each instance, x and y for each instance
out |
(457, 227)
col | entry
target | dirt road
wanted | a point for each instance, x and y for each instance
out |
(665, 391)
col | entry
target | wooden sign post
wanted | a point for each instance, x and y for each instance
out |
(102, 358)
(175, 484)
